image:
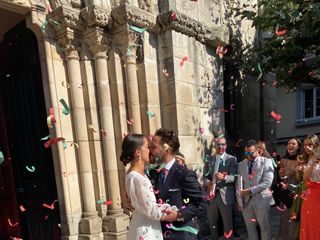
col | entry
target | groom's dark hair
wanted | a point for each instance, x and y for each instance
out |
(170, 137)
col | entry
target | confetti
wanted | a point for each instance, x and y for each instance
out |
(52, 141)
(165, 72)
(253, 220)
(238, 142)
(185, 229)
(51, 119)
(173, 16)
(137, 29)
(1, 158)
(223, 110)
(186, 200)
(32, 169)
(46, 217)
(166, 146)
(12, 224)
(45, 138)
(274, 163)
(50, 206)
(103, 133)
(57, 24)
(201, 130)
(282, 209)
(151, 114)
(221, 51)
(232, 106)
(260, 72)
(130, 121)
(66, 109)
(160, 201)
(64, 145)
(109, 202)
(58, 48)
(166, 233)
(48, 8)
(228, 235)
(276, 116)
(220, 135)
(91, 126)
(44, 25)
(281, 32)
(183, 60)
(16, 238)
(22, 209)
(65, 84)
(293, 216)
(74, 144)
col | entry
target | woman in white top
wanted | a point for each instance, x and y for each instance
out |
(147, 214)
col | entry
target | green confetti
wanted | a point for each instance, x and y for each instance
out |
(64, 144)
(185, 229)
(44, 25)
(57, 24)
(59, 49)
(137, 29)
(66, 109)
(162, 166)
(150, 114)
(100, 202)
(221, 135)
(1, 158)
(274, 162)
(32, 169)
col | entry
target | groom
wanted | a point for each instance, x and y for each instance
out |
(177, 185)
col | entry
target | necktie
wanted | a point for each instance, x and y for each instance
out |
(162, 178)
(250, 167)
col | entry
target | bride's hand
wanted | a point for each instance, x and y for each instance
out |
(171, 216)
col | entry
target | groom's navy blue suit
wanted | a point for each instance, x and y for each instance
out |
(181, 188)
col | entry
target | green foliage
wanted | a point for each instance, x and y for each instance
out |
(289, 40)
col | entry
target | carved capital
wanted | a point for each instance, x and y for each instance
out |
(65, 17)
(186, 25)
(96, 16)
(70, 41)
(98, 42)
(128, 42)
(128, 14)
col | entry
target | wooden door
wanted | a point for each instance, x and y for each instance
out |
(32, 173)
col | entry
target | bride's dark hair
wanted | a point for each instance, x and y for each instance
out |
(130, 144)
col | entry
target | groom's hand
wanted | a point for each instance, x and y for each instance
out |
(171, 216)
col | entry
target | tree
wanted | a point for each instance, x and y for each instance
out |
(288, 43)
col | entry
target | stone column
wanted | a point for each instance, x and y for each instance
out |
(132, 86)
(115, 221)
(90, 224)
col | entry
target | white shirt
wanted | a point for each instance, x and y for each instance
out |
(170, 164)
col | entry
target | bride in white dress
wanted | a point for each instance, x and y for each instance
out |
(145, 222)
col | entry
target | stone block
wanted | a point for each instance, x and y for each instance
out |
(90, 226)
(115, 223)
(184, 93)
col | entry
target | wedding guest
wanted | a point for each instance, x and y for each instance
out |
(287, 173)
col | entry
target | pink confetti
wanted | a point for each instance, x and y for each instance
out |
(201, 130)
(183, 60)
(12, 224)
(160, 201)
(108, 202)
(50, 206)
(22, 208)
(169, 225)
(16, 238)
(166, 233)
(282, 209)
(52, 142)
(232, 106)
(221, 51)
(130, 121)
(48, 8)
(141, 238)
(165, 72)
(223, 110)
(46, 217)
(293, 216)
(228, 235)
(253, 220)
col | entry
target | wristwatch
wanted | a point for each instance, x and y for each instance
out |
(180, 218)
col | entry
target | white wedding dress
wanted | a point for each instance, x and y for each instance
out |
(145, 222)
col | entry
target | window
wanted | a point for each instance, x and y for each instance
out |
(309, 104)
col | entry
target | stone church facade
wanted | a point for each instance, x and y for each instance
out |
(122, 66)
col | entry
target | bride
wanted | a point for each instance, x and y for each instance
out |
(145, 222)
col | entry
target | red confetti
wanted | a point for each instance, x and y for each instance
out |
(183, 60)
(104, 133)
(228, 235)
(130, 121)
(281, 32)
(276, 116)
(53, 141)
(221, 51)
(173, 16)
(12, 224)
(22, 208)
(293, 216)
(108, 202)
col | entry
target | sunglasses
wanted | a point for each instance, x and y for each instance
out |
(248, 153)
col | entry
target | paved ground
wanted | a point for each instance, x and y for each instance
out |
(241, 228)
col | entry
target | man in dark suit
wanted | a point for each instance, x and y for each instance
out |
(219, 179)
(177, 184)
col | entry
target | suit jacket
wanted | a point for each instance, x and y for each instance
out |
(226, 187)
(259, 182)
(181, 188)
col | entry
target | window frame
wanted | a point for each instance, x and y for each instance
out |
(301, 119)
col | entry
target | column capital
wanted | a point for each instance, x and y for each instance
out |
(98, 42)
(70, 43)
(128, 42)
(96, 16)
